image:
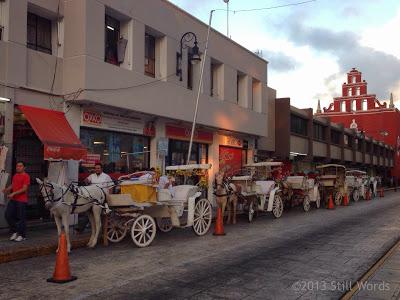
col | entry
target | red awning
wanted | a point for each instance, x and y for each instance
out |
(53, 129)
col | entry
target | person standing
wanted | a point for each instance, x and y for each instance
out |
(17, 193)
(100, 179)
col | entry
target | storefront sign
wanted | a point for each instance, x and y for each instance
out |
(230, 160)
(114, 122)
(149, 129)
(90, 160)
(232, 142)
(63, 153)
(183, 133)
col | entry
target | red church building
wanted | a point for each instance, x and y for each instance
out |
(358, 109)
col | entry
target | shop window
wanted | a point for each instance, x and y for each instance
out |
(335, 137)
(178, 151)
(112, 36)
(150, 55)
(298, 125)
(319, 132)
(118, 152)
(39, 33)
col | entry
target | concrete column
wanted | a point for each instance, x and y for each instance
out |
(138, 32)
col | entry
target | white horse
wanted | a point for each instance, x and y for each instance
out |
(62, 201)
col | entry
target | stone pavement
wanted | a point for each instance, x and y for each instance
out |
(385, 282)
(39, 242)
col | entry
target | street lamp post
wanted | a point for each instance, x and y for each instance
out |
(227, 17)
(194, 57)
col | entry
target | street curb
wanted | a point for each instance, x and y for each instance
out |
(35, 251)
(364, 278)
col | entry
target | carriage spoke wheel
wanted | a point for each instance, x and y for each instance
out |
(356, 195)
(252, 211)
(164, 224)
(277, 206)
(143, 231)
(202, 217)
(306, 203)
(338, 199)
(116, 229)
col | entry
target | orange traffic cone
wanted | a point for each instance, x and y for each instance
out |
(381, 193)
(219, 223)
(330, 203)
(345, 200)
(61, 271)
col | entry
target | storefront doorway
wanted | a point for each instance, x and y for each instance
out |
(29, 149)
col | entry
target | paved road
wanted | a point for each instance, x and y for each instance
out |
(307, 256)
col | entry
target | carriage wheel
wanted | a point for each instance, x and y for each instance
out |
(252, 211)
(164, 224)
(277, 206)
(143, 231)
(202, 217)
(306, 203)
(116, 229)
(338, 199)
(356, 195)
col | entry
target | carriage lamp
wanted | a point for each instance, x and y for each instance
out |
(194, 56)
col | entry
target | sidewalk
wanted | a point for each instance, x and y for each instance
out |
(39, 242)
(385, 281)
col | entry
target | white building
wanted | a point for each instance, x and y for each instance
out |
(69, 56)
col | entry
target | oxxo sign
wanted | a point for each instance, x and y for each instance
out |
(91, 118)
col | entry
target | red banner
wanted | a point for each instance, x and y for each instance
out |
(64, 153)
(230, 160)
(183, 133)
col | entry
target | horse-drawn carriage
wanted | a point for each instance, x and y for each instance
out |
(140, 203)
(357, 183)
(259, 191)
(305, 191)
(333, 182)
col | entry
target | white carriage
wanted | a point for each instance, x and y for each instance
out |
(305, 191)
(357, 184)
(333, 182)
(141, 203)
(270, 194)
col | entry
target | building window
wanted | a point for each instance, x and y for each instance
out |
(348, 141)
(343, 106)
(353, 105)
(39, 33)
(150, 55)
(358, 91)
(359, 144)
(112, 34)
(349, 92)
(178, 151)
(353, 79)
(237, 87)
(118, 152)
(319, 132)
(213, 77)
(298, 125)
(1, 32)
(335, 137)
(365, 104)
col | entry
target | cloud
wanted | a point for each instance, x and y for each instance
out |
(279, 61)
(380, 70)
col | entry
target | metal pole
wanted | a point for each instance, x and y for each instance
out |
(199, 91)
(227, 19)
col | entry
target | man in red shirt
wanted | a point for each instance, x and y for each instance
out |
(16, 209)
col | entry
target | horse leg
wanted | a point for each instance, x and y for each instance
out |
(92, 227)
(57, 219)
(229, 203)
(65, 222)
(223, 206)
(97, 220)
(234, 204)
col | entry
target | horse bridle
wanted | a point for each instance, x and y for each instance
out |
(49, 197)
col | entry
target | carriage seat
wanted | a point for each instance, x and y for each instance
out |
(297, 182)
(179, 193)
(265, 186)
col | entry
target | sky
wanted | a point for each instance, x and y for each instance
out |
(311, 47)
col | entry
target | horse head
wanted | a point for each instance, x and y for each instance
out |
(51, 192)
